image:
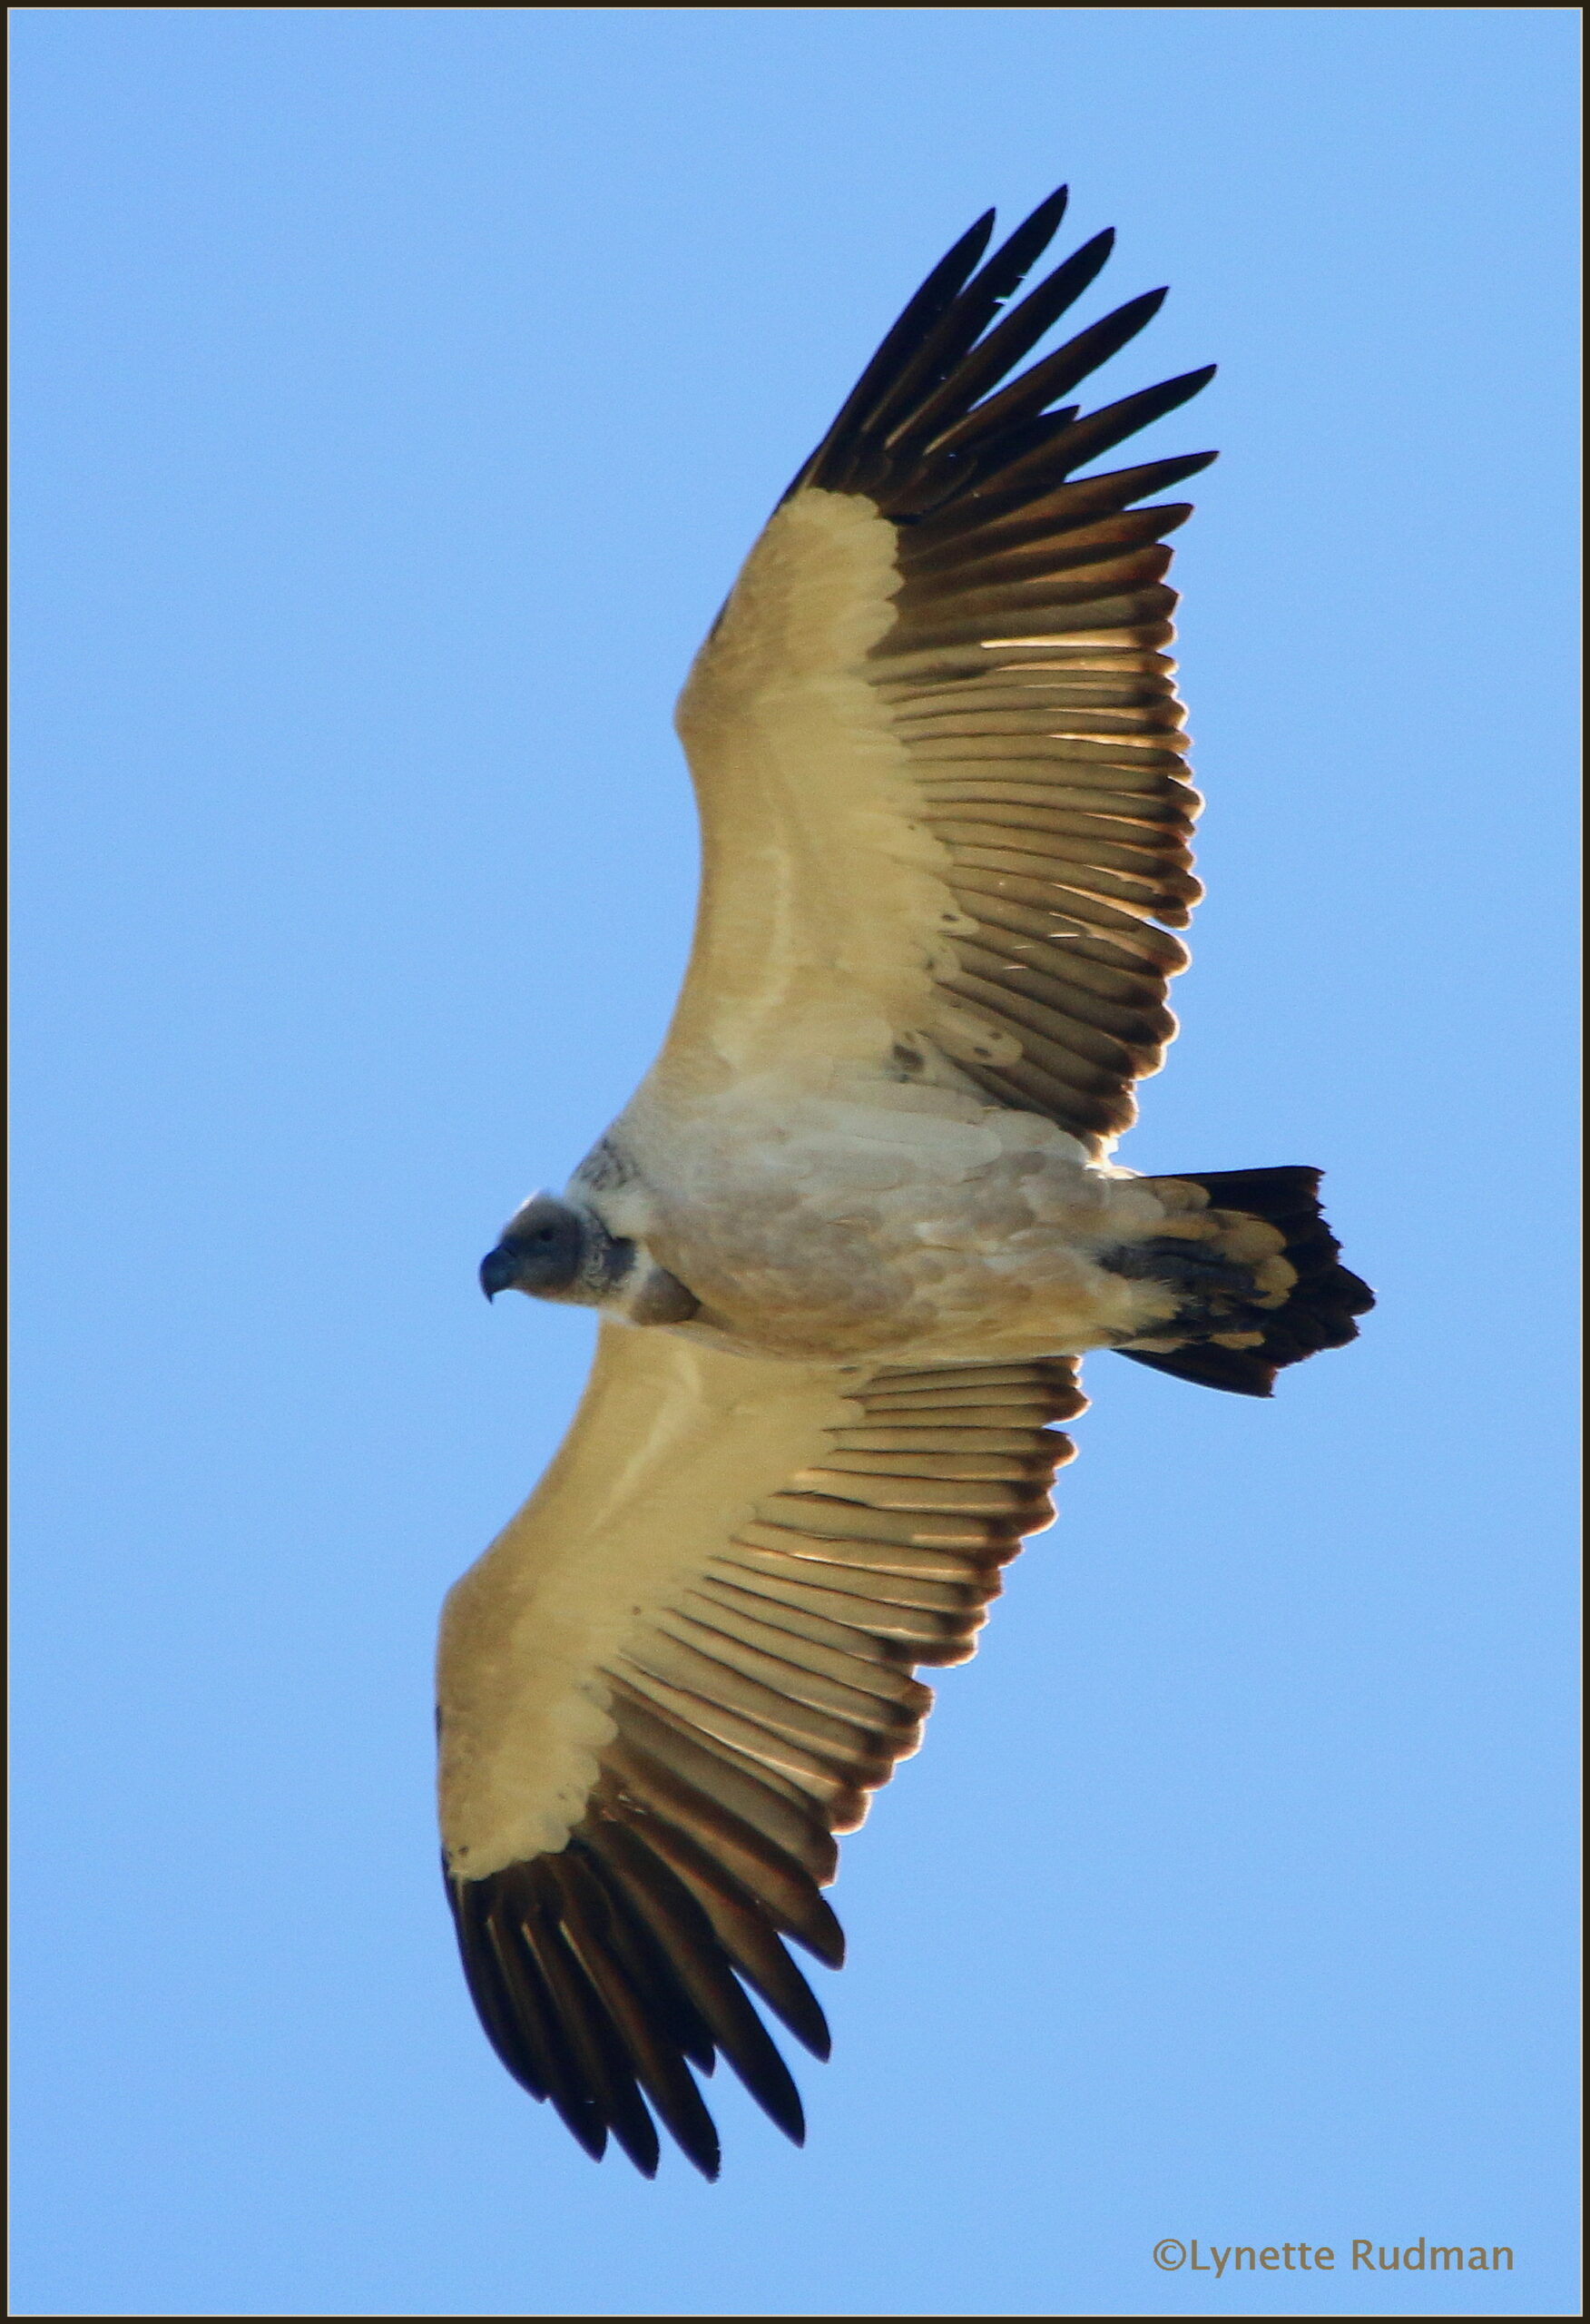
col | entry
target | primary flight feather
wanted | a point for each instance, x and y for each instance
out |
(856, 1227)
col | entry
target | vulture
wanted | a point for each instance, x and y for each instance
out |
(859, 1224)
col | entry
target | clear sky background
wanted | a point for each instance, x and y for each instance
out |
(397, 392)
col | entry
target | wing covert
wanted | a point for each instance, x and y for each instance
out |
(675, 1678)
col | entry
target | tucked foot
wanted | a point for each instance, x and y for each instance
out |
(1196, 1268)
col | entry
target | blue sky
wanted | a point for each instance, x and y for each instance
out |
(397, 393)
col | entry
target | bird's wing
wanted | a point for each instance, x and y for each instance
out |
(676, 1675)
(935, 739)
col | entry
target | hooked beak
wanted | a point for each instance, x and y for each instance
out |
(498, 1270)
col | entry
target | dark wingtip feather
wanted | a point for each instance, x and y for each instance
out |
(824, 1937)
(1018, 473)
(1020, 331)
(681, 1928)
(998, 350)
(930, 428)
(1046, 380)
(811, 2029)
(1014, 256)
(916, 319)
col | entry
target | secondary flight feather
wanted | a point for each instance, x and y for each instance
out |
(856, 1228)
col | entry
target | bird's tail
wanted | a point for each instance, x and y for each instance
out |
(1241, 1343)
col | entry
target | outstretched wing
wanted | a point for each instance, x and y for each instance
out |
(936, 742)
(675, 1677)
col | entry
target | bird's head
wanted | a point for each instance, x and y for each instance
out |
(546, 1252)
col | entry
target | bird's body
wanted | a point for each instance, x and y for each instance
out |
(924, 1226)
(859, 1221)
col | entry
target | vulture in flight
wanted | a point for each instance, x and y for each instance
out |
(859, 1224)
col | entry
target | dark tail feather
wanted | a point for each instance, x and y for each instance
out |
(1318, 1314)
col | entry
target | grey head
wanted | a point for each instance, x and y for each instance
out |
(550, 1250)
